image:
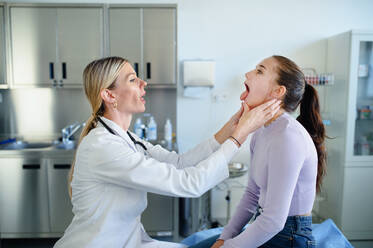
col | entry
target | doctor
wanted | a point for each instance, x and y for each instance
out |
(114, 169)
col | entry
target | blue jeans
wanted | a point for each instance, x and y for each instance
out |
(297, 233)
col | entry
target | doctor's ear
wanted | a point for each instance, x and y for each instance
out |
(107, 96)
(279, 92)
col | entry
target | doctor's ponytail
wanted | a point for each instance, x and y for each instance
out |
(98, 75)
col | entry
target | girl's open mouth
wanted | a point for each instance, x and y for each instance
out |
(245, 93)
(247, 88)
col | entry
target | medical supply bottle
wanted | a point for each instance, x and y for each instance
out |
(152, 129)
(364, 146)
(137, 128)
(168, 131)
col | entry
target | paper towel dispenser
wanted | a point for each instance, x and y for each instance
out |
(199, 73)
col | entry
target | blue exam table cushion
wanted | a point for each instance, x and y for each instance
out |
(327, 235)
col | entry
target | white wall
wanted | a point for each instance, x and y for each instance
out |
(237, 34)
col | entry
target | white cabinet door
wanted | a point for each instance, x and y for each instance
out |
(80, 41)
(159, 45)
(2, 46)
(357, 214)
(33, 42)
(125, 35)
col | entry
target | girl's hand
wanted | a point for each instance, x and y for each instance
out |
(252, 119)
(218, 243)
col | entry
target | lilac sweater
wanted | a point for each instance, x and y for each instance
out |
(282, 180)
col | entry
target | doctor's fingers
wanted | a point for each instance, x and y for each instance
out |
(271, 104)
(270, 112)
(261, 113)
(236, 117)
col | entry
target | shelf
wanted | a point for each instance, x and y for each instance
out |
(161, 86)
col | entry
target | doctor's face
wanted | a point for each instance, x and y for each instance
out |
(129, 91)
(260, 83)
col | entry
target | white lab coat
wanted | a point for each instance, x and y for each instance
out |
(112, 177)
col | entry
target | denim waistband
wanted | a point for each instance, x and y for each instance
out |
(299, 220)
(296, 221)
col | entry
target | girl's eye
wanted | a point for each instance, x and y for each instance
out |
(258, 71)
(132, 80)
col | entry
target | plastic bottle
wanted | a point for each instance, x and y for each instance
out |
(137, 128)
(364, 146)
(168, 131)
(152, 129)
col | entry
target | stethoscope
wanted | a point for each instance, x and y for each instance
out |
(129, 135)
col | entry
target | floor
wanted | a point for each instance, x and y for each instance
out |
(362, 244)
(48, 243)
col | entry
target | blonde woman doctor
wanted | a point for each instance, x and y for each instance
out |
(113, 169)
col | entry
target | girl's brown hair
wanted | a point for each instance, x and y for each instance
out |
(299, 92)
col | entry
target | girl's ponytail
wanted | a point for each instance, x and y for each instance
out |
(299, 92)
(310, 118)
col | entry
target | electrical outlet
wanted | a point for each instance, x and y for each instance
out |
(220, 97)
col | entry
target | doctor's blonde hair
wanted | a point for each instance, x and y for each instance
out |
(98, 75)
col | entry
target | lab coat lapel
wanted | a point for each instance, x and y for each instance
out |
(120, 132)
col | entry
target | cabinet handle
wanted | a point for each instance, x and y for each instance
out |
(64, 75)
(61, 166)
(137, 69)
(31, 166)
(51, 70)
(148, 71)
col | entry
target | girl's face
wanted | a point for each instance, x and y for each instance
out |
(261, 83)
(129, 91)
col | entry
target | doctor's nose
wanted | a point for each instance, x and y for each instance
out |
(143, 83)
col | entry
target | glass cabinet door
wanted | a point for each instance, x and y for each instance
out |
(364, 101)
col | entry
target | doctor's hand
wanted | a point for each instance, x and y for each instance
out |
(218, 243)
(229, 127)
(252, 119)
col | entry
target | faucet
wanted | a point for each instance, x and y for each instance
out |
(70, 130)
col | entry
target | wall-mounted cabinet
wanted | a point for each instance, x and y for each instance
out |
(147, 38)
(2, 49)
(50, 46)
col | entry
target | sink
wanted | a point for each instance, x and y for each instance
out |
(19, 145)
(67, 145)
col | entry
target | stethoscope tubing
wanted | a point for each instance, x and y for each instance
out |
(128, 133)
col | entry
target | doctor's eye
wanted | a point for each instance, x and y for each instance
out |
(259, 72)
(132, 80)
